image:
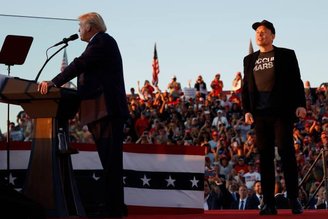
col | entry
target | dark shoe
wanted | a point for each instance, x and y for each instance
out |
(296, 206)
(268, 210)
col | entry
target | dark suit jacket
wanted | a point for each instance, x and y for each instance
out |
(221, 200)
(248, 205)
(288, 91)
(213, 201)
(255, 201)
(100, 79)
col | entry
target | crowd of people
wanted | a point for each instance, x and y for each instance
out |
(210, 117)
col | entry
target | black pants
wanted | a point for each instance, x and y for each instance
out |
(108, 136)
(274, 131)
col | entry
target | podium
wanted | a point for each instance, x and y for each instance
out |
(49, 179)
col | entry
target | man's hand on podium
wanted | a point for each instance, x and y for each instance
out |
(44, 86)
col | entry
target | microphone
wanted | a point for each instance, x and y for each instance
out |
(66, 40)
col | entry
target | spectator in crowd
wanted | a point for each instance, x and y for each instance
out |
(322, 101)
(133, 94)
(129, 127)
(250, 150)
(280, 196)
(200, 87)
(220, 119)
(174, 88)
(16, 133)
(146, 91)
(251, 176)
(243, 129)
(244, 202)
(144, 138)
(257, 196)
(235, 113)
(310, 93)
(224, 102)
(161, 137)
(303, 197)
(216, 195)
(241, 167)
(211, 199)
(214, 140)
(323, 144)
(25, 124)
(232, 186)
(236, 150)
(321, 202)
(222, 148)
(86, 136)
(208, 153)
(155, 129)
(315, 131)
(225, 166)
(142, 124)
(237, 83)
(216, 85)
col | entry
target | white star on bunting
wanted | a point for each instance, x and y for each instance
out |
(194, 182)
(145, 180)
(124, 178)
(95, 177)
(170, 181)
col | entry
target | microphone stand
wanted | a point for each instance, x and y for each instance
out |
(48, 59)
(8, 137)
(9, 55)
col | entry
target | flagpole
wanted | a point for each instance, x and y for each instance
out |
(250, 47)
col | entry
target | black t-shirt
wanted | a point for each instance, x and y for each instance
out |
(264, 78)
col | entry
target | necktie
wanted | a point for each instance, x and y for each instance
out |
(241, 207)
(260, 201)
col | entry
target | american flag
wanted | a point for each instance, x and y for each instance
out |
(64, 61)
(155, 67)
(64, 64)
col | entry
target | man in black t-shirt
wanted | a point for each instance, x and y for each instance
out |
(273, 97)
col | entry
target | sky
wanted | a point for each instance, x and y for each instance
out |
(192, 37)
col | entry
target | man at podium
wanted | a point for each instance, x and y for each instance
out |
(103, 106)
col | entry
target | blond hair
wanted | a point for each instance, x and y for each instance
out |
(94, 20)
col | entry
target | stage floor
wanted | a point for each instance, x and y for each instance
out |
(233, 214)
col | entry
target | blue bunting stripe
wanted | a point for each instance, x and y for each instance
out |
(164, 180)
